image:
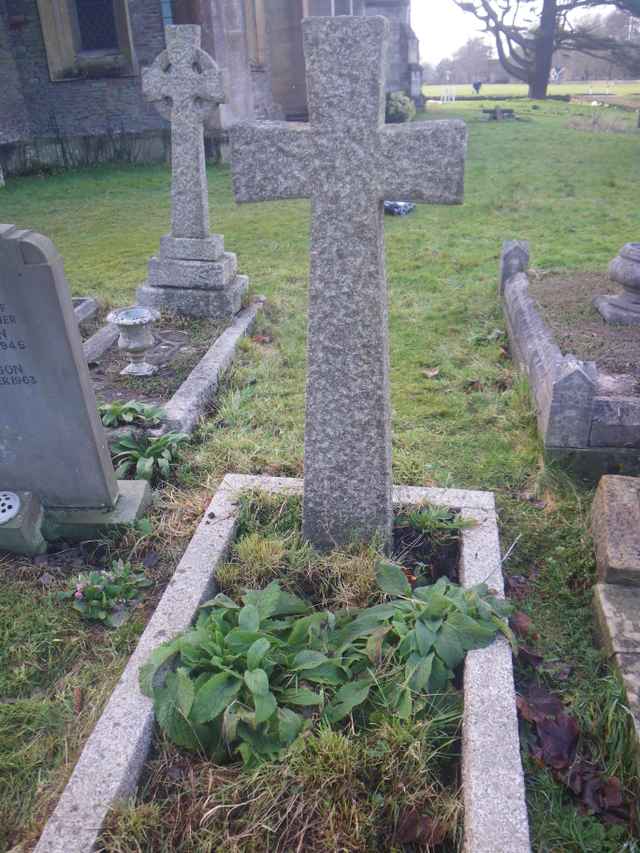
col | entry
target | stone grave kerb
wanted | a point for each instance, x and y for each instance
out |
(346, 160)
(192, 275)
(53, 450)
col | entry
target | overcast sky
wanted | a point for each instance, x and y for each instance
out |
(441, 28)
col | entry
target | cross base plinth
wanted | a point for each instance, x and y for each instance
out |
(197, 275)
(618, 310)
(196, 302)
(194, 277)
(209, 248)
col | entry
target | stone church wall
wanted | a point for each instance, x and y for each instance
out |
(39, 113)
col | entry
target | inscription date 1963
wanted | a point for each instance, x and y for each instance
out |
(12, 375)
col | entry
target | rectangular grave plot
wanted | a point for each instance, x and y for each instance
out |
(493, 785)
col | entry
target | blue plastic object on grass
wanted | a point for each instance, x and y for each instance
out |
(398, 208)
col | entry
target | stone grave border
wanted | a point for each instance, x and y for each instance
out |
(615, 527)
(85, 308)
(588, 420)
(189, 403)
(113, 758)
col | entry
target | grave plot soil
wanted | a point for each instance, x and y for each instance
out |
(391, 785)
(427, 557)
(179, 346)
(565, 304)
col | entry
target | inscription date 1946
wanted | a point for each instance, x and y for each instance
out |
(8, 341)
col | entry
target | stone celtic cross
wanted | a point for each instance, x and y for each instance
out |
(185, 85)
(347, 161)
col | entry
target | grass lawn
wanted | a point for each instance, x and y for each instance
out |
(511, 90)
(461, 417)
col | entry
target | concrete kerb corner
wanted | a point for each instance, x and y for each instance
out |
(493, 782)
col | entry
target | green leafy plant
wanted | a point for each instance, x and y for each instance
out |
(431, 520)
(107, 597)
(132, 412)
(147, 458)
(252, 678)
(400, 108)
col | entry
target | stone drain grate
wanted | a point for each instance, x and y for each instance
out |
(9, 506)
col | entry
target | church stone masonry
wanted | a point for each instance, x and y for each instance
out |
(70, 70)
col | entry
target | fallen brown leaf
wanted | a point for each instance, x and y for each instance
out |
(77, 700)
(521, 624)
(518, 586)
(528, 656)
(539, 704)
(151, 559)
(558, 739)
(414, 826)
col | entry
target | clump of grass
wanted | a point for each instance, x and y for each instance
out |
(335, 792)
(56, 673)
(270, 547)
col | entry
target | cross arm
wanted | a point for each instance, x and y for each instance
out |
(424, 161)
(154, 79)
(271, 160)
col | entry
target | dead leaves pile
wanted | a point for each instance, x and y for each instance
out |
(553, 734)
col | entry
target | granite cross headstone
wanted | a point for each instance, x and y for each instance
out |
(193, 275)
(347, 162)
(51, 440)
(185, 85)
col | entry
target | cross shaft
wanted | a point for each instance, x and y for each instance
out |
(347, 162)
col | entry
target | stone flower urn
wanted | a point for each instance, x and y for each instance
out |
(624, 269)
(136, 337)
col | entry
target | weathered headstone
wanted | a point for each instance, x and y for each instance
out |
(193, 275)
(347, 162)
(52, 444)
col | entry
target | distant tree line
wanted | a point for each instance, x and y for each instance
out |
(536, 40)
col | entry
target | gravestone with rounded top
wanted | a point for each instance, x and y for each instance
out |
(52, 444)
(347, 161)
(193, 275)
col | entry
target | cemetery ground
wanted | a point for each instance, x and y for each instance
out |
(625, 89)
(461, 418)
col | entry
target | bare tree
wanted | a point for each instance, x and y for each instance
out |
(471, 61)
(527, 32)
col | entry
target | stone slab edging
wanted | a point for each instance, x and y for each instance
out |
(85, 308)
(585, 417)
(189, 404)
(96, 346)
(113, 758)
(617, 612)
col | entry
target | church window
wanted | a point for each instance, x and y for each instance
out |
(87, 39)
(97, 25)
